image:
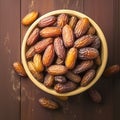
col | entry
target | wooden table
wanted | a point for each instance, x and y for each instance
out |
(19, 97)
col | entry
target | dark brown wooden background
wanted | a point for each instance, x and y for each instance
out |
(19, 97)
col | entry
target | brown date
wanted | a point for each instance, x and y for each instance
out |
(83, 66)
(30, 18)
(95, 95)
(73, 21)
(81, 27)
(57, 70)
(42, 45)
(18, 67)
(91, 31)
(111, 70)
(59, 48)
(60, 79)
(49, 80)
(30, 52)
(50, 32)
(48, 103)
(71, 58)
(33, 37)
(73, 77)
(84, 41)
(68, 37)
(48, 55)
(96, 43)
(89, 75)
(62, 20)
(50, 20)
(88, 53)
(66, 87)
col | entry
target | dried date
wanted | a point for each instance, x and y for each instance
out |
(66, 87)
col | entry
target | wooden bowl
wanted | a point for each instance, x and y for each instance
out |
(104, 54)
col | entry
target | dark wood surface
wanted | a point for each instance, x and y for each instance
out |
(19, 97)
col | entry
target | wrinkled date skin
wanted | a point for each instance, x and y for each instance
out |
(38, 76)
(48, 103)
(30, 52)
(60, 79)
(62, 20)
(33, 37)
(83, 66)
(88, 53)
(73, 77)
(50, 32)
(84, 41)
(111, 70)
(48, 55)
(59, 48)
(50, 20)
(81, 27)
(57, 70)
(49, 80)
(89, 75)
(67, 35)
(18, 67)
(66, 87)
(42, 45)
(73, 21)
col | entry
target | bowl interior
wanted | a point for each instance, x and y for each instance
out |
(104, 54)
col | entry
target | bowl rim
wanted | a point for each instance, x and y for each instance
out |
(103, 54)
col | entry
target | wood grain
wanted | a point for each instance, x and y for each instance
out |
(9, 52)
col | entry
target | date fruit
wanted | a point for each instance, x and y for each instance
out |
(48, 55)
(60, 79)
(88, 53)
(50, 32)
(66, 87)
(73, 77)
(59, 48)
(95, 95)
(96, 43)
(111, 70)
(50, 20)
(83, 66)
(57, 70)
(30, 52)
(81, 27)
(71, 58)
(62, 20)
(38, 76)
(73, 21)
(87, 78)
(18, 67)
(42, 45)
(33, 37)
(84, 41)
(30, 18)
(37, 60)
(48, 103)
(91, 31)
(67, 34)
(49, 80)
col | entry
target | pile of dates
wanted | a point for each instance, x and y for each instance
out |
(63, 52)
